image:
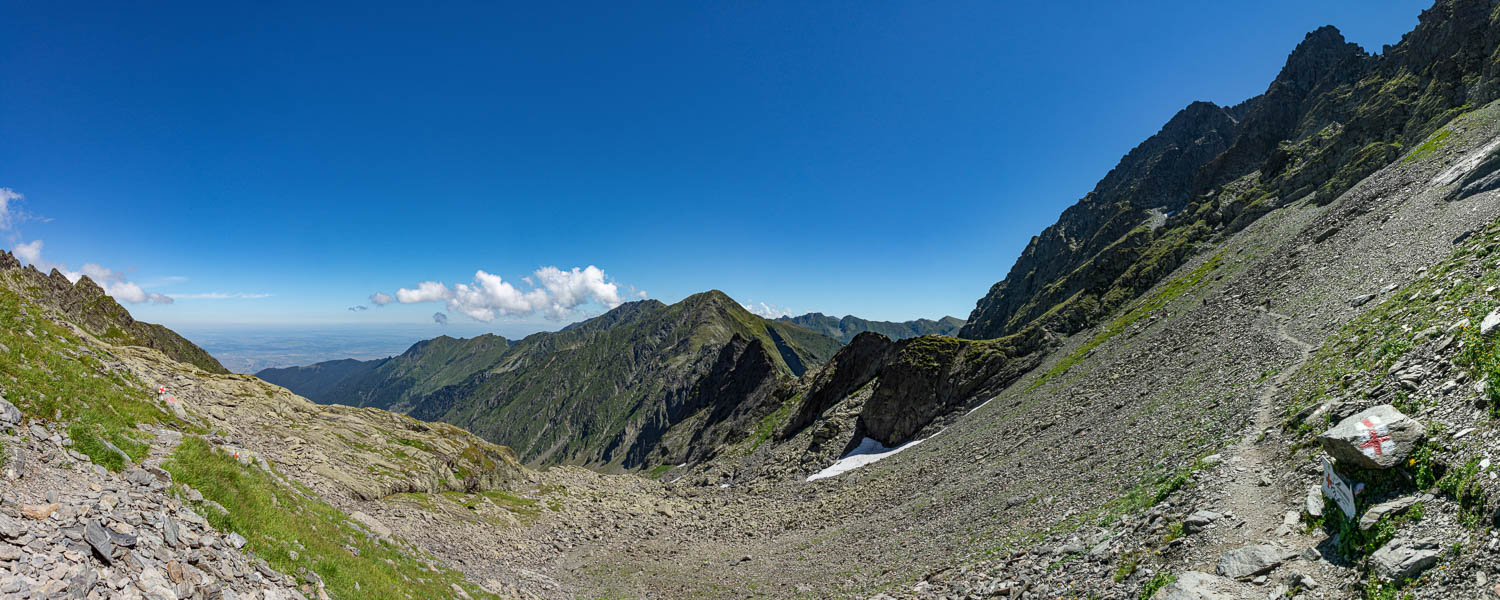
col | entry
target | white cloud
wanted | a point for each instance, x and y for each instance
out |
(440, 318)
(30, 252)
(769, 311)
(427, 291)
(381, 299)
(358, 308)
(554, 292)
(9, 215)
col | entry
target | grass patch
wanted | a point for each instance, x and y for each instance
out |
(52, 374)
(1168, 292)
(275, 520)
(1156, 583)
(1433, 144)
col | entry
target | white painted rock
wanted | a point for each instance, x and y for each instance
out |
(1377, 438)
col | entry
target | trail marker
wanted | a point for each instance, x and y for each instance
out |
(1336, 488)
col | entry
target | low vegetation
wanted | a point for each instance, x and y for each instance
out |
(293, 531)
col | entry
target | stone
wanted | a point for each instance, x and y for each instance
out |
(1361, 300)
(11, 528)
(1402, 559)
(1252, 560)
(1194, 585)
(1315, 502)
(169, 532)
(1198, 521)
(9, 415)
(98, 538)
(235, 540)
(38, 511)
(1379, 437)
(1388, 508)
(140, 477)
(9, 553)
(1492, 320)
(371, 523)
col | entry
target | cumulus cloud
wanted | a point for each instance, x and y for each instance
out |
(427, 291)
(381, 299)
(29, 252)
(552, 292)
(440, 318)
(769, 311)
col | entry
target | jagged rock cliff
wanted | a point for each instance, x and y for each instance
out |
(1333, 115)
(86, 304)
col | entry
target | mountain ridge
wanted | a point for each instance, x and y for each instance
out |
(639, 370)
(1333, 115)
(849, 326)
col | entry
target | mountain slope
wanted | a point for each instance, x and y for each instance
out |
(1333, 115)
(846, 328)
(644, 384)
(391, 383)
(86, 304)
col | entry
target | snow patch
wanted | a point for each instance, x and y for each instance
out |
(867, 452)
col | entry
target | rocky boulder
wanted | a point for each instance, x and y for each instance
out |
(1377, 438)
(1403, 559)
(1193, 585)
(1252, 560)
(9, 415)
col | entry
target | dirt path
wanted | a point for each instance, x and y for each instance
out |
(1250, 492)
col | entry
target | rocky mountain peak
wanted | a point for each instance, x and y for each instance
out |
(1321, 52)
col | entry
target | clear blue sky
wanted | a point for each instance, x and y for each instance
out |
(883, 159)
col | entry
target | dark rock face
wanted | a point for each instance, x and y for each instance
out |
(1156, 174)
(1333, 115)
(86, 304)
(916, 382)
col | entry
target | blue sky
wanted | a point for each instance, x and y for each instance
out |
(277, 163)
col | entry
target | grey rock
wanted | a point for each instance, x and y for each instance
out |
(140, 477)
(169, 532)
(1377, 438)
(1361, 300)
(9, 414)
(98, 538)
(1200, 520)
(1194, 585)
(1252, 560)
(1403, 559)
(235, 540)
(11, 528)
(1492, 320)
(1315, 502)
(1388, 508)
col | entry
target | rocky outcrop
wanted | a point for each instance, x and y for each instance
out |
(86, 304)
(914, 382)
(1333, 115)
